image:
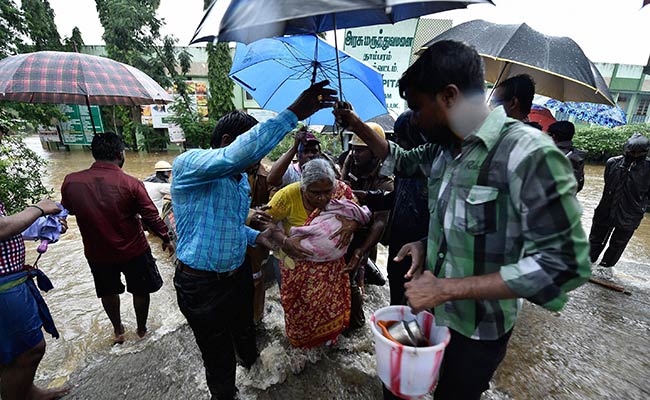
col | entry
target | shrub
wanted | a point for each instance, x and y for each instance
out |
(602, 143)
(20, 175)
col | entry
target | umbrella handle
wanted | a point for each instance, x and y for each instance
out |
(42, 248)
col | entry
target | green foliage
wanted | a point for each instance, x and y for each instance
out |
(34, 114)
(75, 42)
(34, 21)
(20, 175)
(39, 19)
(329, 144)
(603, 143)
(221, 86)
(197, 132)
(131, 29)
(12, 27)
(154, 139)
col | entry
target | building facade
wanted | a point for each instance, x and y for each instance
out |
(630, 88)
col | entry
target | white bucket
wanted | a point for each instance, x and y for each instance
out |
(409, 371)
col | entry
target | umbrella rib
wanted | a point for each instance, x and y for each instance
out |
(550, 73)
(276, 90)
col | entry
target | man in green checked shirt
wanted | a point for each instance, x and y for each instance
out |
(505, 222)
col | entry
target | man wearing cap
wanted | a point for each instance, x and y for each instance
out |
(307, 147)
(361, 172)
(562, 134)
(158, 185)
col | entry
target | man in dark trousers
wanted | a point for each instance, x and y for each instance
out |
(504, 221)
(624, 201)
(210, 196)
(110, 207)
(562, 134)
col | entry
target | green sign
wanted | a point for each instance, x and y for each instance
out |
(78, 129)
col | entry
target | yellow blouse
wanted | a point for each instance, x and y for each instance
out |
(286, 206)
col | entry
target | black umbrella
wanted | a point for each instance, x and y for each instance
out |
(560, 68)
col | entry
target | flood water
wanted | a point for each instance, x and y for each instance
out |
(596, 348)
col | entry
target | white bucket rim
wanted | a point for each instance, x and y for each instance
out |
(410, 349)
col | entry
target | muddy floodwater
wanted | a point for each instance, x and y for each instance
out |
(598, 347)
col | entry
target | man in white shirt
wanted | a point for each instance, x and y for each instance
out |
(157, 185)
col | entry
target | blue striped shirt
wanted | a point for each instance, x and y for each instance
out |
(211, 202)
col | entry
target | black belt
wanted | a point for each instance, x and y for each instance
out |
(208, 274)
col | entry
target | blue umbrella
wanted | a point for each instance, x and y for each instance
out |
(274, 71)
(600, 114)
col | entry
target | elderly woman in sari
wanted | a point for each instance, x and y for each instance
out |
(319, 215)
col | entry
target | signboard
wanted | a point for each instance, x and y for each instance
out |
(48, 134)
(157, 115)
(176, 134)
(77, 129)
(388, 48)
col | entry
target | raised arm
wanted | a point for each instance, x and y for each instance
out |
(279, 167)
(15, 224)
(348, 118)
(198, 167)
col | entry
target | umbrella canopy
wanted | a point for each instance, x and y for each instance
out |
(47, 227)
(599, 114)
(557, 64)
(542, 116)
(75, 78)
(275, 71)
(245, 21)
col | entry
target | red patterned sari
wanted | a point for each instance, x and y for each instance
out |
(316, 295)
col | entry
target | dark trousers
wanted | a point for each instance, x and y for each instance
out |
(396, 272)
(598, 238)
(220, 312)
(467, 367)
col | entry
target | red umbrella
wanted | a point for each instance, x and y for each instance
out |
(542, 116)
(75, 78)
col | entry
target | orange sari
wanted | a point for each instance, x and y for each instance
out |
(316, 295)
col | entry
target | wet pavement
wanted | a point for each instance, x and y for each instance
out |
(597, 347)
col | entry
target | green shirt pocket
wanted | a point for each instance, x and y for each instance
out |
(481, 210)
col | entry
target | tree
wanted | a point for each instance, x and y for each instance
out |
(20, 175)
(36, 24)
(221, 86)
(131, 28)
(75, 42)
(39, 19)
(12, 28)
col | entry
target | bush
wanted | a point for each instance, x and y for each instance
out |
(602, 143)
(154, 139)
(20, 175)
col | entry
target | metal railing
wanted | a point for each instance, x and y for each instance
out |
(637, 119)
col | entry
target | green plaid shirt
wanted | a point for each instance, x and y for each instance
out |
(515, 214)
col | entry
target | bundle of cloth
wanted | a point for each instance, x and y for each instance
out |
(317, 235)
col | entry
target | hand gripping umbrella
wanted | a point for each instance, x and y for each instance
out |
(75, 78)
(560, 68)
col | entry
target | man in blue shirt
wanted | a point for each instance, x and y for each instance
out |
(211, 198)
